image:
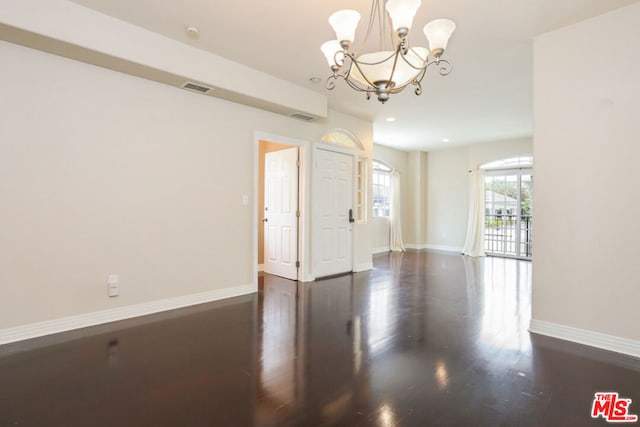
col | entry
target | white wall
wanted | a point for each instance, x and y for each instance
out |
(397, 159)
(436, 190)
(448, 206)
(448, 187)
(102, 172)
(418, 199)
(586, 271)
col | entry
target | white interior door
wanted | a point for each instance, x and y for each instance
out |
(333, 201)
(280, 219)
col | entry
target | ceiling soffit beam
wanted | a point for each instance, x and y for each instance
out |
(67, 29)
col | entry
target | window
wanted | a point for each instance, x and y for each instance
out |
(514, 162)
(381, 190)
(361, 206)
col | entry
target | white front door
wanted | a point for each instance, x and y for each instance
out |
(280, 207)
(333, 207)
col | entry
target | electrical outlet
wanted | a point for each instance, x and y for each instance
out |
(112, 351)
(112, 285)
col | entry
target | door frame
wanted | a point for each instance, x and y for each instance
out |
(354, 172)
(304, 272)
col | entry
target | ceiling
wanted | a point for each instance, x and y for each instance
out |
(487, 97)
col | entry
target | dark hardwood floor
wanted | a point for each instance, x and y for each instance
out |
(424, 339)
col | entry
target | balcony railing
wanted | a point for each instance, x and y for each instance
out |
(508, 235)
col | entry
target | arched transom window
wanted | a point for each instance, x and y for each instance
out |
(511, 163)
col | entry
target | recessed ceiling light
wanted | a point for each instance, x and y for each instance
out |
(445, 140)
(315, 80)
(192, 32)
(390, 119)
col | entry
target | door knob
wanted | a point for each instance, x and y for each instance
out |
(351, 216)
(265, 220)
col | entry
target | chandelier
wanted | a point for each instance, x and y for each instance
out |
(390, 71)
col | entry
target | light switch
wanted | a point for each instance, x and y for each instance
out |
(112, 285)
(245, 200)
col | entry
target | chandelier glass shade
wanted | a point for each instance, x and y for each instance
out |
(386, 71)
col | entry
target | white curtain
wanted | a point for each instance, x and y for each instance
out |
(395, 220)
(474, 246)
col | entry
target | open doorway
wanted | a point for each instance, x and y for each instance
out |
(508, 198)
(278, 208)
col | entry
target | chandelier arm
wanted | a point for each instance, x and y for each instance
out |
(418, 90)
(443, 64)
(357, 64)
(346, 76)
(330, 84)
(418, 81)
(420, 76)
(413, 66)
(371, 63)
(357, 88)
(347, 69)
(398, 89)
(393, 69)
(426, 60)
(343, 76)
(335, 58)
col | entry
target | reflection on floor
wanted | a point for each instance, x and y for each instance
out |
(425, 338)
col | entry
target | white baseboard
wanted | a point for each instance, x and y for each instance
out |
(381, 250)
(582, 336)
(306, 278)
(415, 246)
(34, 330)
(363, 267)
(444, 248)
(260, 267)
